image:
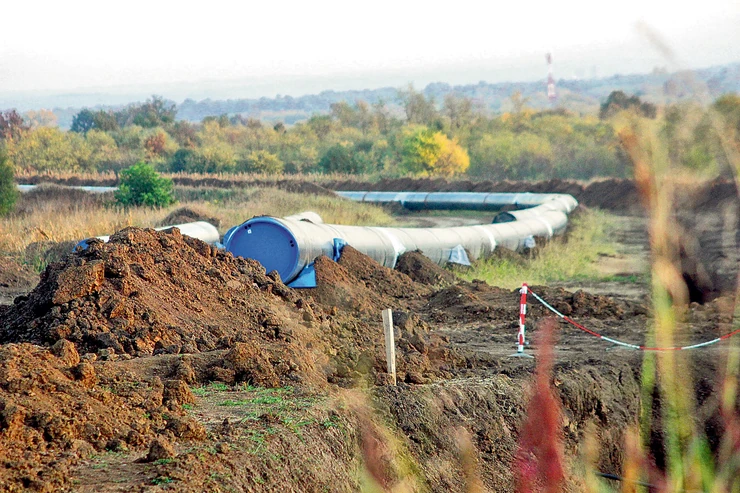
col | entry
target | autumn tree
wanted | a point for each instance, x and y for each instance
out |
(263, 162)
(47, 148)
(87, 120)
(426, 152)
(12, 125)
(155, 112)
(40, 118)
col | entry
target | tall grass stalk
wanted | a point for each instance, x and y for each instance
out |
(689, 464)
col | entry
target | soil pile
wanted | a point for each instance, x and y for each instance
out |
(14, 276)
(709, 243)
(583, 304)
(53, 413)
(420, 269)
(58, 199)
(477, 301)
(352, 293)
(147, 292)
(187, 215)
(357, 282)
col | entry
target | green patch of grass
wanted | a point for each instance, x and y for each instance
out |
(161, 462)
(212, 387)
(233, 403)
(567, 258)
(162, 480)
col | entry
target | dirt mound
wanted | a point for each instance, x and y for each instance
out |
(613, 194)
(187, 215)
(477, 301)
(294, 186)
(42, 253)
(147, 292)
(357, 282)
(58, 199)
(52, 414)
(583, 304)
(421, 269)
(303, 187)
(14, 276)
(353, 292)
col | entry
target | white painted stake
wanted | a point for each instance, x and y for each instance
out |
(390, 343)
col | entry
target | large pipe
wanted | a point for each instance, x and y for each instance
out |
(468, 200)
(90, 189)
(201, 230)
(289, 246)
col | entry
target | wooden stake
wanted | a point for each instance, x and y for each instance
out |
(390, 343)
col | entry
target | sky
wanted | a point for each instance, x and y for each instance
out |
(261, 48)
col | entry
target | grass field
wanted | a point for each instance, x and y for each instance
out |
(566, 258)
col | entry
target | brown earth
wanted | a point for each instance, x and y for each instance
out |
(105, 369)
(187, 215)
(15, 279)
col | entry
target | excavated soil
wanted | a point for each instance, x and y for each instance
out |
(155, 362)
(14, 280)
(188, 215)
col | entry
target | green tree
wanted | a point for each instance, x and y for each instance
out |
(83, 122)
(8, 190)
(263, 162)
(104, 151)
(155, 112)
(142, 185)
(338, 159)
(418, 109)
(618, 101)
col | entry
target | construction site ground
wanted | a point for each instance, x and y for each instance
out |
(157, 363)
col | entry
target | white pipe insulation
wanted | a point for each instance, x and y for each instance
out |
(290, 246)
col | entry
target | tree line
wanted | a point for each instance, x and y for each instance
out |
(430, 137)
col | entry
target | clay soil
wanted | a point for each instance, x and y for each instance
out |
(155, 362)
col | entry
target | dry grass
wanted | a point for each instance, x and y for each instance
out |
(572, 257)
(56, 215)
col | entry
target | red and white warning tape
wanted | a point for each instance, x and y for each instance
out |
(523, 300)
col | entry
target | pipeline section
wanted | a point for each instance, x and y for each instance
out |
(468, 200)
(89, 189)
(201, 230)
(290, 246)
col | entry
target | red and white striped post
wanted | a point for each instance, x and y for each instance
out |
(522, 316)
(521, 340)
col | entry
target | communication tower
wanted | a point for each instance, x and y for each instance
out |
(550, 80)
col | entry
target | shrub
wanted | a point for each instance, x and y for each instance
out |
(263, 162)
(8, 190)
(338, 159)
(142, 185)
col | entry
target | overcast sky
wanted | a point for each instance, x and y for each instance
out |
(81, 45)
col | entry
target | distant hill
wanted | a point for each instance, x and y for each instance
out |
(580, 96)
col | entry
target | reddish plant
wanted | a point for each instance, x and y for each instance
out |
(538, 464)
